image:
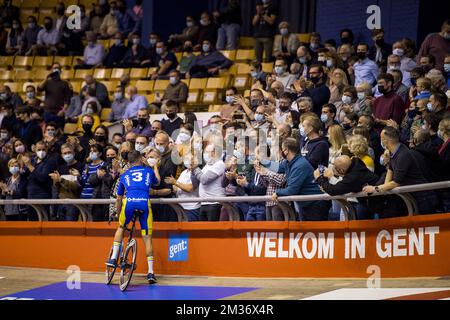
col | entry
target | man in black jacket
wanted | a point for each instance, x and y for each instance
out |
(355, 176)
(27, 130)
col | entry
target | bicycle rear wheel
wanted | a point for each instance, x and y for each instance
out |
(110, 271)
(128, 264)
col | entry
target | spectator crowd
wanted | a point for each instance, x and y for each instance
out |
(332, 117)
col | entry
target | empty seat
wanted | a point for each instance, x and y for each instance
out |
(245, 54)
(23, 61)
(304, 37)
(14, 86)
(111, 85)
(30, 4)
(64, 61)
(8, 75)
(6, 61)
(145, 85)
(76, 85)
(104, 114)
(82, 73)
(161, 85)
(119, 72)
(229, 54)
(102, 73)
(243, 68)
(267, 67)
(241, 82)
(43, 61)
(197, 84)
(67, 74)
(70, 128)
(24, 75)
(246, 42)
(137, 73)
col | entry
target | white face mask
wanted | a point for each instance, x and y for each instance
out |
(152, 162)
(41, 154)
(361, 95)
(139, 147)
(184, 137)
(346, 99)
(398, 52)
(173, 80)
(161, 149)
(3, 135)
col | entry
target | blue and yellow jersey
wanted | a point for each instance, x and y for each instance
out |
(136, 183)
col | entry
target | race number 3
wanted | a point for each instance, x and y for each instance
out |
(137, 176)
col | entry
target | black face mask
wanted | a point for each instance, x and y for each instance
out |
(382, 90)
(284, 108)
(87, 127)
(109, 159)
(361, 55)
(171, 116)
(124, 155)
(412, 113)
(60, 11)
(255, 103)
(345, 40)
(413, 81)
(379, 42)
(153, 132)
(100, 138)
(346, 126)
(188, 49)
(48, 26)
(315, 80)
(142, 121)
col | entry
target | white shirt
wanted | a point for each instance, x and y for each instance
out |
(214, 188)
(185, 178)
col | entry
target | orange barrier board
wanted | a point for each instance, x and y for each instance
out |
(401, 247)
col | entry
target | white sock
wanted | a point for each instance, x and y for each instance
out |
(116, 248)
(150, 264)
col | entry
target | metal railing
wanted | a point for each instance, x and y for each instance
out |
(283, 202)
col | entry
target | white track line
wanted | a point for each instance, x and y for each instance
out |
(371, 294)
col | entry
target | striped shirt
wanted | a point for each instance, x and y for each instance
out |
(87, 191)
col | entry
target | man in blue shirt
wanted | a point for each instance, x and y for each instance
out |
(137, 102)
(136, 183)
(300, 181)
(365, 69)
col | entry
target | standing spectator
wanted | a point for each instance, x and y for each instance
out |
(209, 179)
(142, 125)
(93, 53)
(287, 44)
(389, 106)
(257, 73)
(28, 130)
(94, 162)
(61, 18)
(15, 187)
(136, 103)
(172, 122)
(109, 26)
(3, 38)
(380, 50)
(38, 169)
(30, 35)
(319, 93)
(116, 52)
(126, 19)
(187, 58)
(358, 146)
(315, 44)
(189, 34)
(336, 139)
(403, 170)
(100, 90)
(282, 73)
(406, 63)
(9, 120)
(206, 32)
(8, 97)
(365, 69)
(119, 105)
(57, 96)
(314, 147)
(8, 13)
(254, 187)
(47, 39)
(208, 63)
(87, 125)
(96, 19)
(328, 117)
(337, 82)
(348, 103)
(165, 62)
(136, 54)
(444, 156)
(300, 181)
(15, 38)
(264, 29)
(184, 187)
(228, 17)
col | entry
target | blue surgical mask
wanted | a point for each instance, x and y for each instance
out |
(206, 47)
(68, 158)
(324, 118)
(430, 106)
(330, 64)
(259, 117)
(302, 60)
(265, 162)
(14, 170)
(159, 51)
(302, 131)
(93, 156)
(447, 67)
(279, 70)
(229, 99)
(382, 160)
(254, 74)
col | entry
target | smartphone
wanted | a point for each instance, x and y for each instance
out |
(321, 169)
(239, 116)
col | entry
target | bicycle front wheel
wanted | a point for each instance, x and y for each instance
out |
(110, 271)
(128, 264)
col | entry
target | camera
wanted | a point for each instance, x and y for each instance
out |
(321, 169)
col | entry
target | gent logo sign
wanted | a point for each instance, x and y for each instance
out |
(178, 247)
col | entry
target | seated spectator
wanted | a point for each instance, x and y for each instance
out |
(188, 34)
(257, 73)
(328, 117)
(96, 19)
(400, 48)
(355, 176)
(228, 17)
(136, 54)
(30, 35)
(261, 121)
(187, 58)
(101, 92)
(151, 49)
(176, 90)
(380, 50)
(286, 46)
(92, 111)
(15, 38)
(15, 187)
(172, 122)
(403, 170)
(365, 69)
(47, 40)
(359, 147)
(88, 96)
(208, 63)
(101, 136)
(119, 105)
(349, 123)
(28, 130)
(8, 97)
(65, 180)
(390, 105)
(37, 170)
(438, 105)
(165, 61)
(31, 99)
(117, 140)
(184, 187)
(141, 126)
(136, 103)
(116, 52)
(313, 146)
(109, 27)
(282, 74)
(209, 179)
(93, 53)
(207, 31)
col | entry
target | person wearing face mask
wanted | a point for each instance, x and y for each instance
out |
(348, 103)
(403, 170)
(380, 50)
(140, 126)
(65, 181)
(207, 31)
(431, 125)
(141, 144)
(15, 36)
(93, 163)
(116, 52)
(101, 136)
(9, 13)
(227, 110)
(399, 49)
(264, 29)
(437, 45)
(28, 130)
(388, 106)
(118, 105)
(137, 102)
(126, 19)
(87, 125)
(8, 97)
(319, 93)
(165, 61)
(31, 99)
(208, 63)
(38, 169)
(327, 117)
(47, 39)
(189, 33)
(172, 122)
(209, 179)
(30, 35)
(313, 146)
(286, 44)
(187, 58)
(135, 55)
(109, 26)
(257, 73)
(283, 75)
(176, 90)
(93, 55)
(91, 109)
(15, 187)
(365, 69)
(260, 121)
(19, 148)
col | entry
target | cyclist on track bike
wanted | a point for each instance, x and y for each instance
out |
(136, 183)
